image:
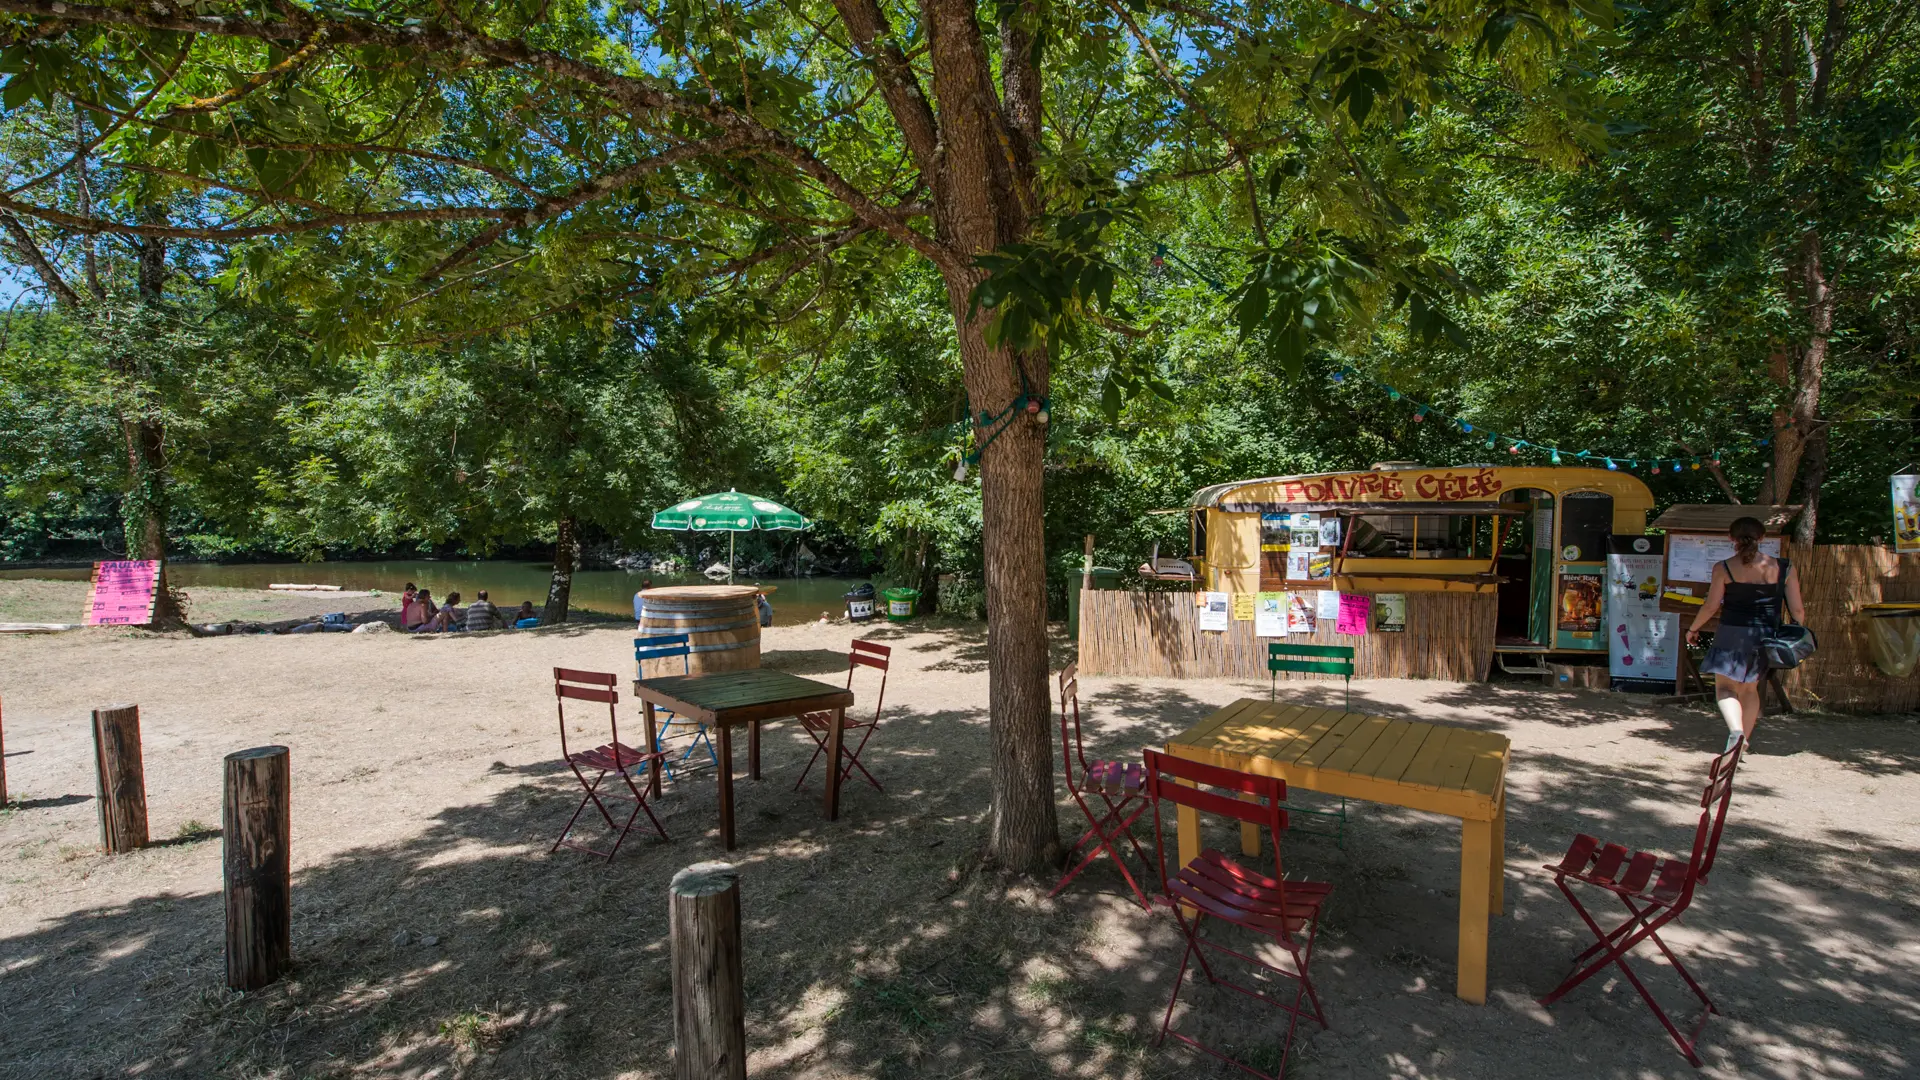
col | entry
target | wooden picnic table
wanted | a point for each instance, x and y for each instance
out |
(1437, 768)
(724, 699)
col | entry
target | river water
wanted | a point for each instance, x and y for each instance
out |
(795, 600)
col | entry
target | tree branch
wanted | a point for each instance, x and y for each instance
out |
(254, 82)
(29, 251)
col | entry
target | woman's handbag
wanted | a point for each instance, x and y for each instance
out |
(1789, 645)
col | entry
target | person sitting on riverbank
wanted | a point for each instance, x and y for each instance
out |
(417, 611)
(525, 618)
(451, 617)
(482, 615)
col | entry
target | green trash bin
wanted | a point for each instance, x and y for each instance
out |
(900, 603)
(1104, 577)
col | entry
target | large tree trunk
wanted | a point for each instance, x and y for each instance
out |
(566, 553)
(982, 194)
(1023, 829)
(1795, 423)
(143, 512)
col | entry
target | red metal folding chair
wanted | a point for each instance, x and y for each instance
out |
(615, 757)
(1655, 891)
(1106, 781)
(1215, 886)
(820, 724)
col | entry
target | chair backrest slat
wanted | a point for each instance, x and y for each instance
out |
(1713, 815)
(1072, 752)
(874, 655)
(1287, 648)
(599, 687)
(1164, 775)
(1321, 659)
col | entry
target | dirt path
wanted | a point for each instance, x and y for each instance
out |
(435, 936)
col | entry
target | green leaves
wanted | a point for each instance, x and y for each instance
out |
(1295, 297)
(1049, 288)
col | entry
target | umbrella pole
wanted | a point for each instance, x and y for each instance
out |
(729, 556)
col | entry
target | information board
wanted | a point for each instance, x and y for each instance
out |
(1690, 556)
(123, 593)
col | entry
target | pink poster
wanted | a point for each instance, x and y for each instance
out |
(1354, 610)
(122, 593)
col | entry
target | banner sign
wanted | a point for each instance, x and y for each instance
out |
(1906, 512)
(1642, 641)
(123, 593)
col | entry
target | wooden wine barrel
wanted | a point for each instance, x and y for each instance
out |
(722, 624)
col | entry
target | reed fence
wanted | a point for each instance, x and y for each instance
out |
(1835, 581)
(1448, 636)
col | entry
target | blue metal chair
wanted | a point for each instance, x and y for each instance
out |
(666, 647)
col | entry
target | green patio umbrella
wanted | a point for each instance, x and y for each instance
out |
(729, 512)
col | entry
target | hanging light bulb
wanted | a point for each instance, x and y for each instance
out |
(1611, 467)
(1656, 468)
(1556, 457)
(1339, 376)
(1393, 395)
(1466, 427)
(1695, 465)
(1514, 449)
(1420, 414)
(1492, 440)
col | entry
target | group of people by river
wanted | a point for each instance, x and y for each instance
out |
(420, 615)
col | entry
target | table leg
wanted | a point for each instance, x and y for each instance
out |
(653, 737)
(753, 750)
(726, 784)
(834, 738)
(1498, 901)
(1476, 890)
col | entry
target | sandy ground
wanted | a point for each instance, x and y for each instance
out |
(436, 937)
(34, 600)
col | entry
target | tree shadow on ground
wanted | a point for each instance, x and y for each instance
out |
(875, 948)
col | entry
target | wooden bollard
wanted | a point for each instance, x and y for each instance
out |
(709, 999)
(256, 827)
(122, 778)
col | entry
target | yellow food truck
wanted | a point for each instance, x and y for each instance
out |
(1535, 538)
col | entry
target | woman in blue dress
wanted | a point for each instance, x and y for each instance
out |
(1746, 593)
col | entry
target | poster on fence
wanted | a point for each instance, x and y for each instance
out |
(1642, 641)
(1906, 512)
(1390, 613)
(1354, 609)
(1213, 611)
(123, 593)
(1327, 604)
(1270, 614)
(1300, 613)
(1243, 607)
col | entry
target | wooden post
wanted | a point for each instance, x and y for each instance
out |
(122, 780)
(709, 1000)
(256, 825)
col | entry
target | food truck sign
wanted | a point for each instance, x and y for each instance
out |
(1435, 485)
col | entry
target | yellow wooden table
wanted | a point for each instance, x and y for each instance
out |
(1433, 767)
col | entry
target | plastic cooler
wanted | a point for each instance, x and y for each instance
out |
(900, 603)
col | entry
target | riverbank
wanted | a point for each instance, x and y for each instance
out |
(434, 934)
(603, 592)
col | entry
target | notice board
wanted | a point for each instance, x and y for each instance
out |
(123, 593)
